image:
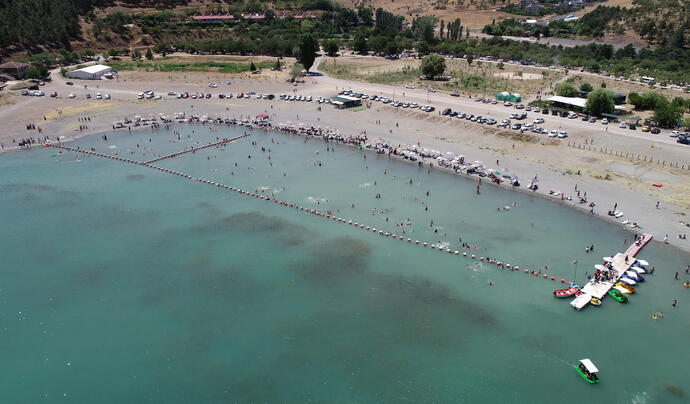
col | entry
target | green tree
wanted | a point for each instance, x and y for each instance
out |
(252, 67)
(136, 54)
(500, 65)
(433, 65)
(33, 72)
(149, 54)
(360, 44)
(586, 87)
(565, 90)
(277, 66)
(599, 102)
(331, 47)
(306, 53)
(470, 58)
(603, 84)
(686, 123)
(667, 114)
(296, 71)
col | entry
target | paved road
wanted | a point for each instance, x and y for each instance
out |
(498, 111)
(565, 42)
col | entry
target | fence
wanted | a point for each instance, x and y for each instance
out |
(628, 155)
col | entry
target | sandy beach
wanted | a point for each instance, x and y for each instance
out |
(595, 159)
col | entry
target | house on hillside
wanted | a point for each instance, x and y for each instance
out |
(14, 69)
(531, 6)
(212, 19)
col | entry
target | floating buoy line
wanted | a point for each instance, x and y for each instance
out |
(327, 216)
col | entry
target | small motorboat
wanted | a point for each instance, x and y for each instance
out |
(643, 263)
(608, 259)
(634, 276)
(618, 296)
(637, 269)
(621, 289)
(567, 292)
(595, 301)
(588, 371)
(628, 281)
(629, 288)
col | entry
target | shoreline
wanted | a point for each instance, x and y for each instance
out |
(425, 164)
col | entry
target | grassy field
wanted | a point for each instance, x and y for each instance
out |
(477, 79)
(176, 65)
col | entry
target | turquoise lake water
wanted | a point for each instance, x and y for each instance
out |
(122, 283)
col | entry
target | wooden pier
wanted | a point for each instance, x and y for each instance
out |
(192, 150)
(621, 264)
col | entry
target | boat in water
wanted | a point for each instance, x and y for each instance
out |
(621, 290)
(595, 301)
(567, 292)
(618, 296)
(628, 281)
(588, 371)
(625, 286)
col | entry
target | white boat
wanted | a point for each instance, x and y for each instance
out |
(639, 270)
(621, 289)
(634, 275)
(601, 267)
(628, 281)
(643, 263)
(608, 259)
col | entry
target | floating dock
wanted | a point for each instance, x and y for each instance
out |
(621, 264)
(194, 149)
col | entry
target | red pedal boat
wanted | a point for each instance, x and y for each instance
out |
(566, 292)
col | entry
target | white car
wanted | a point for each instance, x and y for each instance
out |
(538, 121)
(158, 96)
(409, 86)
(99, 96)
(72, 95)
(140, 96)
(107, 96)
(562, 134)
(172, 93)
(621, 125)
(212, 85)
(553, 133)
(605, 121)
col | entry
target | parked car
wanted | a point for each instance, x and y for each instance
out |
(53, 94)
(71, 95)
(454, 95)
(646, 128)
(656, 130)
(69, 83)
(562, 134)
(107, 96)
(621, 125)
(605, 121)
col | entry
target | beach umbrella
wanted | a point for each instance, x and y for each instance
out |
(643, 262)
(608, 259)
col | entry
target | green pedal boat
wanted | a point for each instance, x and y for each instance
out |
(588, 371)
(618, 296)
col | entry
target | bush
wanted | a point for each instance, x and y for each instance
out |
(586, 87)
(599, 102)
(433, 65)
(565, 90)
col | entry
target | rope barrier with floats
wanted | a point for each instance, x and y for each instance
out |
(328, 216)
(192, 150)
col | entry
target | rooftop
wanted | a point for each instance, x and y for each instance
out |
(94, 69)
(13, 65)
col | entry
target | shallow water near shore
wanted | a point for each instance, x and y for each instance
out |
(120, 282)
